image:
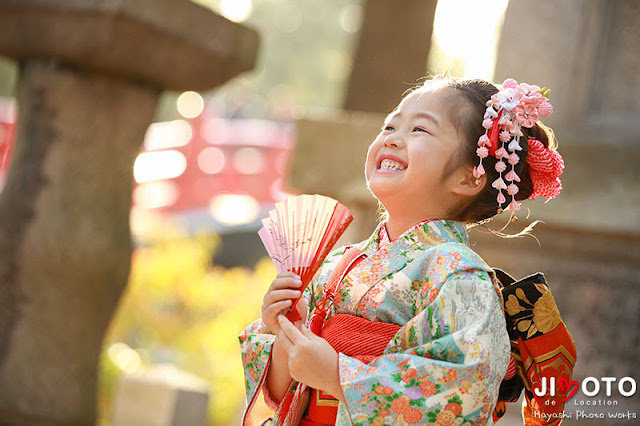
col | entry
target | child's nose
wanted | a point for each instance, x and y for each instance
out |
(394, 140)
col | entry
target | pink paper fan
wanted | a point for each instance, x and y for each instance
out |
(299, 234)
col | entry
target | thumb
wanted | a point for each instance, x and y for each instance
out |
(308, 333)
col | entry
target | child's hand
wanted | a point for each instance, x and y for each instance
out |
(312, 360)
(283, 289)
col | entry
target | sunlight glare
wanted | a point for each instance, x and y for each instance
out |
(469, 30)
(350, 18)
(190, 104)
(158, 165)
(152, 195)
(236, 10)
(234, 209)
(124, 357)
(168, 134)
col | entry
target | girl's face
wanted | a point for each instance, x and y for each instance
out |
(406, 161)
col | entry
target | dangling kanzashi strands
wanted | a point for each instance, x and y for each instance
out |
(515, 106)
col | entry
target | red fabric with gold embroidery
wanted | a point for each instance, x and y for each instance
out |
(542, 347)
(323, 409)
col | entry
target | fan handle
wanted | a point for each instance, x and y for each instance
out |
(293, 315)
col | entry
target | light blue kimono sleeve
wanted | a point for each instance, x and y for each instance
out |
(444, 366)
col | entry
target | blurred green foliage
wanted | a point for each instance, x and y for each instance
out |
(8, 75)
(178, 309)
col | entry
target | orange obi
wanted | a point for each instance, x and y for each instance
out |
(353, 336)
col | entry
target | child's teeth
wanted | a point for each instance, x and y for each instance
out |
(390, 164)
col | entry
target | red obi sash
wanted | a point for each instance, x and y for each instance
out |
(355, 337)
(358, 337)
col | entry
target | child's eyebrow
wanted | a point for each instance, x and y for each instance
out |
(428, 116)
(420, 114)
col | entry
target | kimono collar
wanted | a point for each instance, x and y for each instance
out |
(428, 232)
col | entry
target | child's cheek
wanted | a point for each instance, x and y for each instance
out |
(370, 164)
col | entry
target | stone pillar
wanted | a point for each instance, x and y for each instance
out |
(329, 159)
(391, 55)
(67, 200)
(586, 52)
(90, 76)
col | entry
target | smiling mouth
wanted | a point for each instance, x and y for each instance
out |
(388, 164)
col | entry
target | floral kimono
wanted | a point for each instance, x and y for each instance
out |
(446, 362)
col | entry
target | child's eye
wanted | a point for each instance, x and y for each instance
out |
(420, 129)
(389, 128)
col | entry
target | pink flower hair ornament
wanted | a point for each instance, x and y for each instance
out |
(515, 106)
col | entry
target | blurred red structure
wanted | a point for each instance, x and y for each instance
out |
(8, 121)
(232, 168)
(186, 163)
(205, 164)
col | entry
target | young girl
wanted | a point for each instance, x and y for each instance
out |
(415, 331)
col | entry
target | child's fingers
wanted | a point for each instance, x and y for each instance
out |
(278, 306)
(286, 281)
(275, 308)
(287, 274)
(301, 306)
(306, 332)
(290, 330)
(278, 295)
(285, 342)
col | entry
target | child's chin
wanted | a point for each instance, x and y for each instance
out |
(381, 190)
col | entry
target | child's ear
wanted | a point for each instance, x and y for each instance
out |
(464, 183)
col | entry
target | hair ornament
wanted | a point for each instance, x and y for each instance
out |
(545, 168)
(515, 106)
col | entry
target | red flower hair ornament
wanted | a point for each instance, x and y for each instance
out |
(515, 106)
(545, 168)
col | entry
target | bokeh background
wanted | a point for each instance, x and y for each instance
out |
(121, 149)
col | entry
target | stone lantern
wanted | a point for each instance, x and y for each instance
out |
(91, 72)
